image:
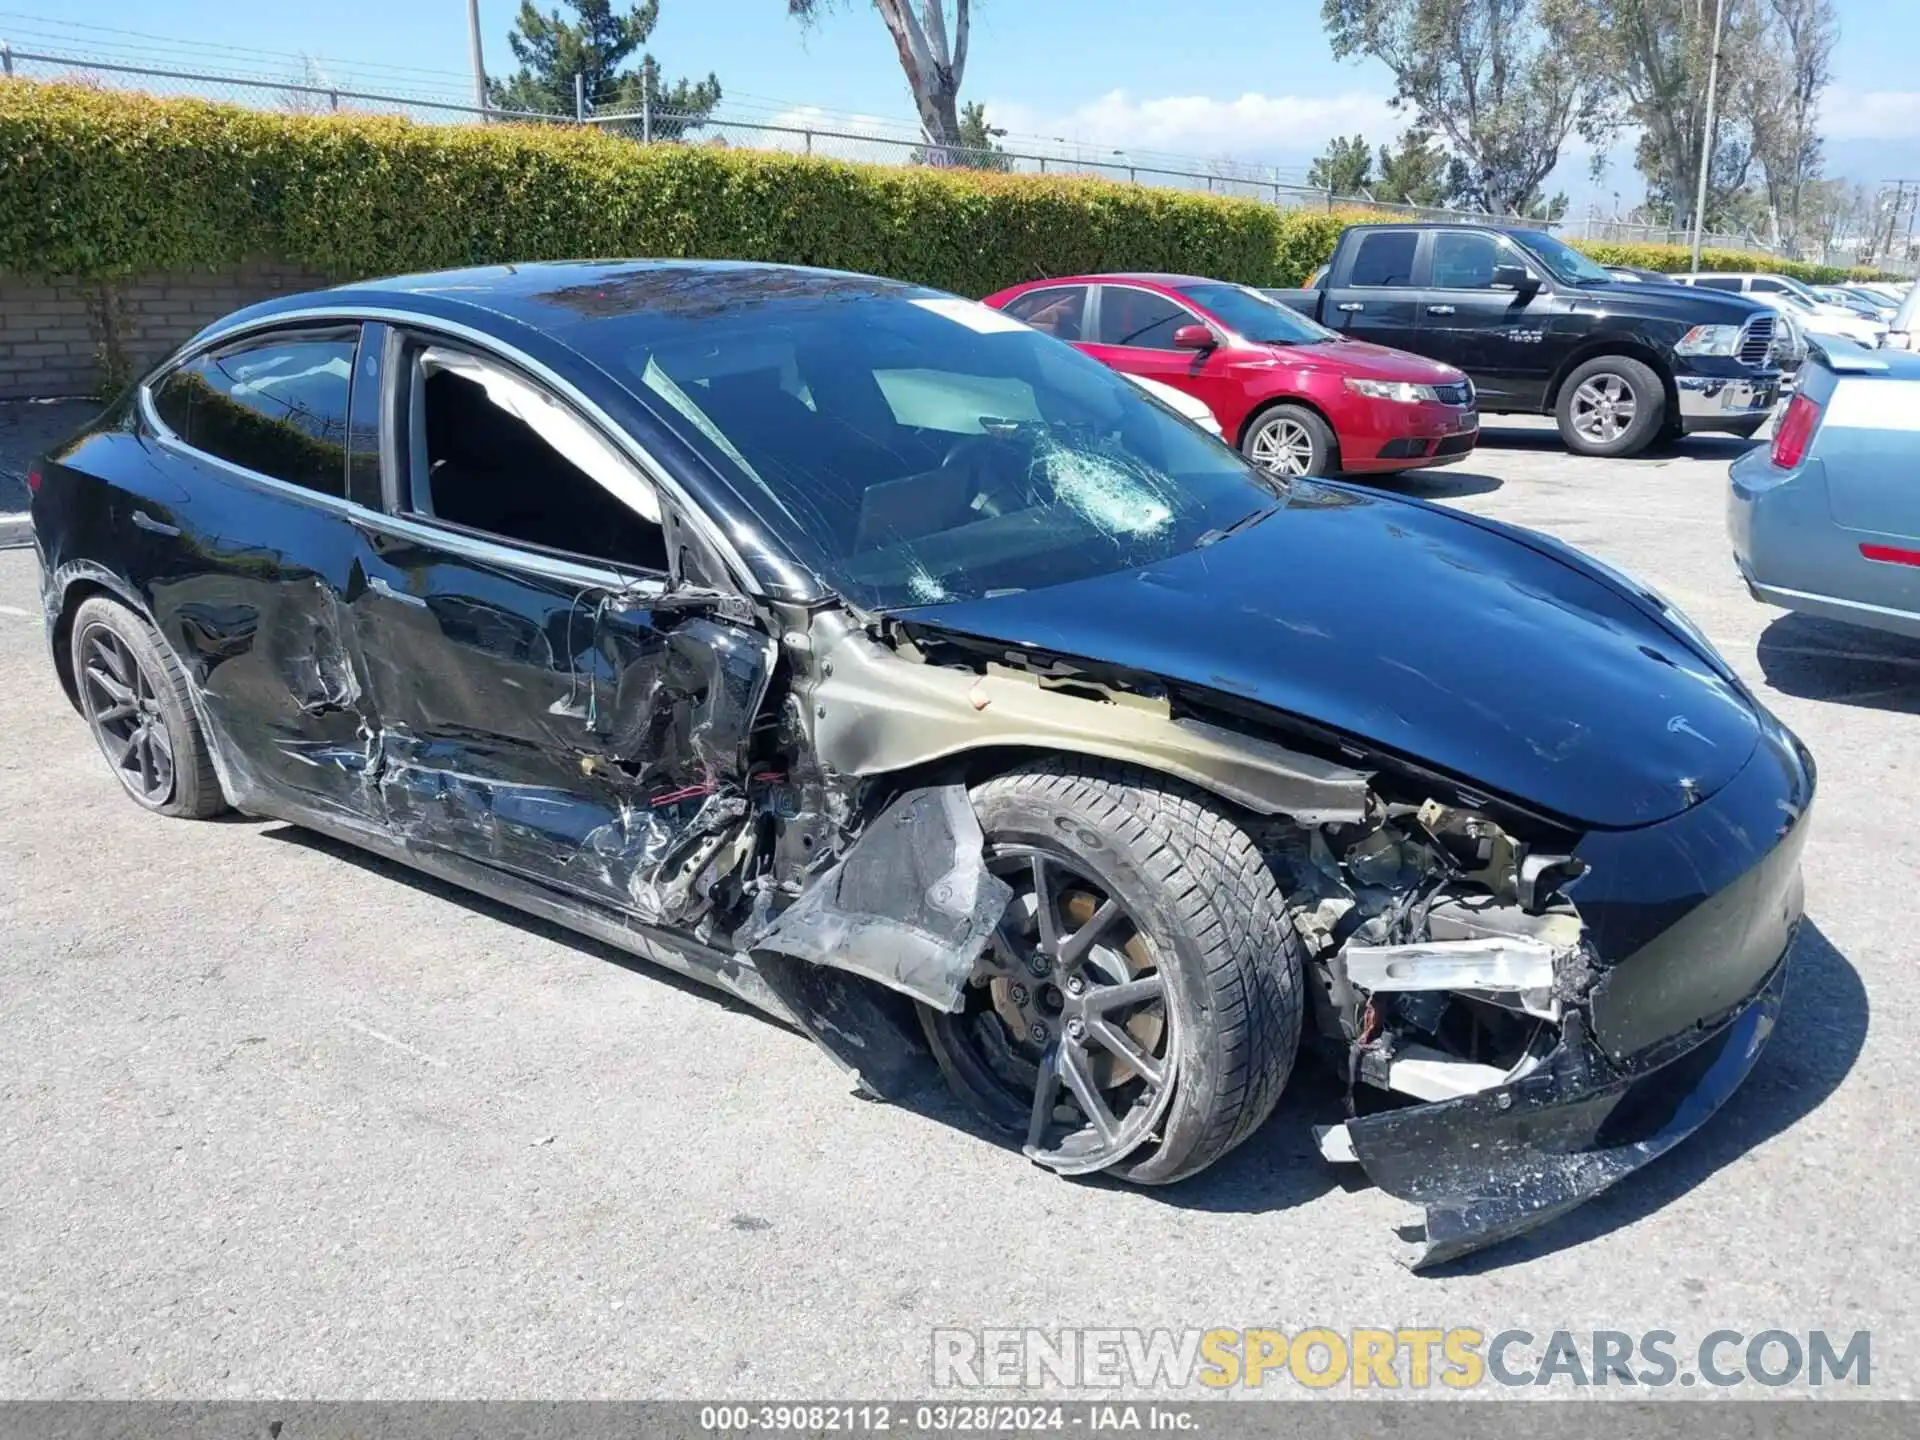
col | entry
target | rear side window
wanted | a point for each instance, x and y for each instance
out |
(1385, 257)
(1059, 312)
(275, 404)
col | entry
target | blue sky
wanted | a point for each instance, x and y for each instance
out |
(1248, 78)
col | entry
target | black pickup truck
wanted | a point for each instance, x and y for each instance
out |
(1543, 330)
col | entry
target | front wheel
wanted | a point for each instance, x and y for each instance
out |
(1291, 440)
(1611, 406)
(1139, 1008)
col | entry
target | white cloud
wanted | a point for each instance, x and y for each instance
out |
(1870, 114)
(1251, 127)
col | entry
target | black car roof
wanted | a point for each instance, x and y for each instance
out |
(562, 296)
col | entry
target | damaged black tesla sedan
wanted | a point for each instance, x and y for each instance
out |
(862, 652)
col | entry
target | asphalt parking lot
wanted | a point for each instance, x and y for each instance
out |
(277, 1119)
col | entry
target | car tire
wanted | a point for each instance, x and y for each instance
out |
(1197, 906)
(1291, 440)
(1611, 406)
(137, 704)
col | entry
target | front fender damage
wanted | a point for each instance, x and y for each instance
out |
(911, 903)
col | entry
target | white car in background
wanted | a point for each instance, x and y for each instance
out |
(1790, 297)
(1860, 302)
(1189, 409)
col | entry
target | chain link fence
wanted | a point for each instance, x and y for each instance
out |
(1273, 184)
(831, 137)
(836, 138)
(305, 93)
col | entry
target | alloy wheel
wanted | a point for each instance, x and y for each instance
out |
(1603, 408)
(1068, 1017)
(125, 715)
(1282, 446)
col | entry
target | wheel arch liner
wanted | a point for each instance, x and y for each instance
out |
(910, 904)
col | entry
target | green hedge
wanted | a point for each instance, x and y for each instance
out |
(1670, 259)
(101, 184)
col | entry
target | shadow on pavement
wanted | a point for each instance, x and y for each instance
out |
(505, 914)
(1433, 484)
(1823, 1025)
(1726, 448)
(1822, 1028)
(1818, 659)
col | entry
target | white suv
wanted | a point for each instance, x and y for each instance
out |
(1780, 292)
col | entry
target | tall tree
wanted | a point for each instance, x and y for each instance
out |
(597, 44)
(1661, 53)
(1345, 169)
(1507, 82)
(1775, 62)
(933, 64)
(1416, 171)
(1782, 107)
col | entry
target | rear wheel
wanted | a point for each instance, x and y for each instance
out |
(1611, 406)
(1291, 440)
(136, 703)
(1139, 1008)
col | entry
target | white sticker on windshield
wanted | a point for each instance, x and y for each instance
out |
(981, 319)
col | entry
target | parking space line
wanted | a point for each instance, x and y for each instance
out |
(18, 613)
(384, 1039)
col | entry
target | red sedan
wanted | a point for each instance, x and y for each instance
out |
(1296, 397)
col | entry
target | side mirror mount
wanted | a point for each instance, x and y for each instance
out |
(1194, 337)
(1514, 277)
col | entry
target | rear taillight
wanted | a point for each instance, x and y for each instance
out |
(1891, 554)
(1795, 431)
(33, 482)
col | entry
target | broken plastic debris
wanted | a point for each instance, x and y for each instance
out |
(1499, 962)
(1336, 1144)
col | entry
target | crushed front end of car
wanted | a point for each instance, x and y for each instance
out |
(1566, 1018)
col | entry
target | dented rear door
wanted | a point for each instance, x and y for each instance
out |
(239, 532)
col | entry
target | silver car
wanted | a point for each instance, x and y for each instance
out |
(1826, 520)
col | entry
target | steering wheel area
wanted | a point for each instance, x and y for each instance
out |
(995, 464)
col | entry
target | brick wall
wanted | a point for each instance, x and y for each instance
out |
(77, 337)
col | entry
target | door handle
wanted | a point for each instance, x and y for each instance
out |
(143, 521)
(1440, 310)
(1351, 305)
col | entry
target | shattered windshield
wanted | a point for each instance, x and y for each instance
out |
(914, 448)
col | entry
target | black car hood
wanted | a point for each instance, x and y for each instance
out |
(1692, 304)
(1420, 631)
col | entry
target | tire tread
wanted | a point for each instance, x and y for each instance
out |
(1217, 885)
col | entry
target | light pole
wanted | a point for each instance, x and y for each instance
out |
(1706, 140)
(479, 65)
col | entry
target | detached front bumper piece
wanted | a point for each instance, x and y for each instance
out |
(1490, 1165)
